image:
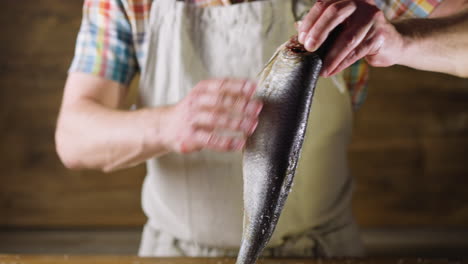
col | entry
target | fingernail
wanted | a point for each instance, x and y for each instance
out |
(297, 25)
(249, 87)
(238, 144)
(246, 126)
(309, 44)
(253, 107)
(250, 108)
(252, 129)
(259, 108)
(302, 36)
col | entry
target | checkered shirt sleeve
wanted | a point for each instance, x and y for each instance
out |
(357, 75)
(104, 44)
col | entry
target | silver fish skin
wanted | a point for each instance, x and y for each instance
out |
(271, 155)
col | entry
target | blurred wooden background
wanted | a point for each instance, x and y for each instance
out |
(409, 151)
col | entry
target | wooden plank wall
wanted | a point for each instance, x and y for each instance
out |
(408, 152)
(35, 189)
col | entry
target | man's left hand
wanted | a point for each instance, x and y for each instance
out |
(366, 34)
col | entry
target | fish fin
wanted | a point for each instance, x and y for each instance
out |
(267, 68)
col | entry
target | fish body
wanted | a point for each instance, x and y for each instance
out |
(271, 155)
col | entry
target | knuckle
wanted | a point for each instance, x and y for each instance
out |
(210, 140)
(219, 99)
(230, 81)
(340, 7)
(192, 101)
(226, 143)
(378, 15)
(344, 7)
(318, 8)
(349, 37)
(352, 55)
(365, 45)
(240, 103)
(379, 34)
(358, 51)
(222, 121)
(229, 101)
(320, 5)
(184, 150)
(333, 9)
(183, 147)
(211, 118)
(209, 137)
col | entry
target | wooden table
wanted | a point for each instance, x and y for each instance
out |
(65, 259)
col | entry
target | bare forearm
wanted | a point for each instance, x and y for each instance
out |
(93, 136)
(437, 44)
(93, 133)
(217, 114)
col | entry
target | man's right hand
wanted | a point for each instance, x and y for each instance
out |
(93, 133)
(217, 114)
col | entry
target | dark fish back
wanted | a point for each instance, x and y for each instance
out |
(276, 147)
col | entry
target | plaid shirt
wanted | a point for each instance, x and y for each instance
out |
(112, 35)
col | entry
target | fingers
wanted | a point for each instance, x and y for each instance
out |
(229, 103)
(217, 131)
(359, 19)
(370, 45)
(215, 121)
(356, 31)
(217, 115)
(225, 143)
(309, 20)
(229, 106)
(318, 24)
(203, 139)
(226, 86)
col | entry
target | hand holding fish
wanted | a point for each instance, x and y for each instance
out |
(366, 34)
(217, 114)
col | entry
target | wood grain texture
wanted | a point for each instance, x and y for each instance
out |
(414, 242)
(10, 259)
(36, 190)
(409, 150)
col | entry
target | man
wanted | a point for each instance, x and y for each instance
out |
(197, 66)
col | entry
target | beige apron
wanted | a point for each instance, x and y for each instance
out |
(194, 202)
